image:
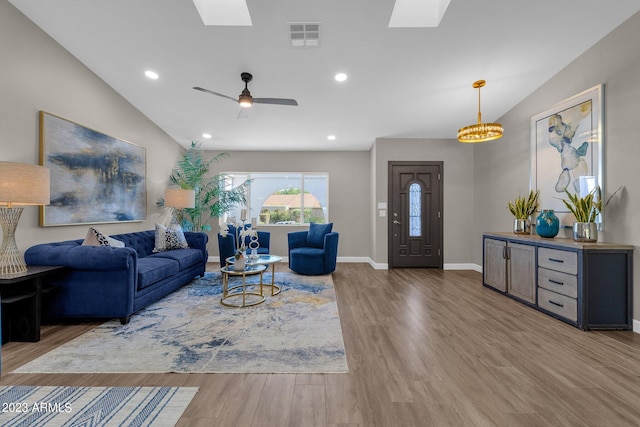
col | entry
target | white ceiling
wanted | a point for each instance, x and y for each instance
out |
(403, 82)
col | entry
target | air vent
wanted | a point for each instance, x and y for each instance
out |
(305, 34)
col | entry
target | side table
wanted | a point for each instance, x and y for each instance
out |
(21, 296)
(241, 290)
(264, 259)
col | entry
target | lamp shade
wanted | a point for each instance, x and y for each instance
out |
(23, 185)
(178, 198)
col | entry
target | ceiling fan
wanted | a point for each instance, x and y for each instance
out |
(246, 100)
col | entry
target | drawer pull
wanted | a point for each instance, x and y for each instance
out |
(555, 303)
(556, 260)
(555, 282)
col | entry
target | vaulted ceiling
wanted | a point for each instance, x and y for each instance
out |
(402, 82)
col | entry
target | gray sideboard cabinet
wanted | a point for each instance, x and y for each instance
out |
(588, 285)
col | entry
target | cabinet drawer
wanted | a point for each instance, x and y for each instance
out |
(559, 304)
(556, 281)
(554, 259)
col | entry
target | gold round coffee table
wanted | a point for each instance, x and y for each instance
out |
(264, 259)
(241, 291)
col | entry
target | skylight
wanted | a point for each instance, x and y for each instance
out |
(224, 12)
(418, 13)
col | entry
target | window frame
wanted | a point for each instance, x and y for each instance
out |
(254, 212)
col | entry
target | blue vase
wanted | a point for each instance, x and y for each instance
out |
(547, 224)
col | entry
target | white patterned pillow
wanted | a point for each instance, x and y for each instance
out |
(168, 238)
(96, 238)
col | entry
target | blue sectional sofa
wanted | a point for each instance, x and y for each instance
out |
(110, 282)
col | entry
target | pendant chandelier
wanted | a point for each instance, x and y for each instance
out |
(480, 132)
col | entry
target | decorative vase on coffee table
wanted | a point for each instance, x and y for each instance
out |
(547, 224)
(239, 262)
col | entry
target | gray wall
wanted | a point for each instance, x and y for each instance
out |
(501, 168)
(349, 193)
(38, 74)
(458, 191)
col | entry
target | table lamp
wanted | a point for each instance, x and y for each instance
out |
(20, 185)
(178, 198)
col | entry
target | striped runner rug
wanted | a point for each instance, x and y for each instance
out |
(51, 406)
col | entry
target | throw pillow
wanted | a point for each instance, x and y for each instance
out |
(115, 243)
(95, 238)
(315, 236)
(169, 238)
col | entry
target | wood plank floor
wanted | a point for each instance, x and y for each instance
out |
(424, 348)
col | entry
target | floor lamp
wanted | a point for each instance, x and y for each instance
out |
(20, 185)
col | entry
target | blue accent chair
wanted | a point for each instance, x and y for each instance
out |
(313, 252)
(227, 245)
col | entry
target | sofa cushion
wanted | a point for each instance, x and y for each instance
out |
(96, 238)
(184, 257)
(169, 238)
(152, 269)
(315, 236)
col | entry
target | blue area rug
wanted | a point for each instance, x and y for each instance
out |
(297, 331)
(93, 406)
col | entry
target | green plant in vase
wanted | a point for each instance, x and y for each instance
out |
(586, 209)
(213, 197)
(522, 208)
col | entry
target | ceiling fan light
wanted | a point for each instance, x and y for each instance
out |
(246, 101)
(480, 132)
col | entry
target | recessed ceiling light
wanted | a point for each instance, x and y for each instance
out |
(340, 77)
(331, 137)
(206, 135)
(151, 74)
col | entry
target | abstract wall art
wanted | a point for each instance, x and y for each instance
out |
(566, 150)
(95, 178)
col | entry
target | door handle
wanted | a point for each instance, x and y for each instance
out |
(395, 221)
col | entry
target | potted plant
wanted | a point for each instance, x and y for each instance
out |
(585, 209)
(522, 209)
(213, 198)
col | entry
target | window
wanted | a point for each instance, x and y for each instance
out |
(415, 210)
(283, 198)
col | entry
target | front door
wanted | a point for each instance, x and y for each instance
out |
(415, 215)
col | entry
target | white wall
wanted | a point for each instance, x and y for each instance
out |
(501, 168)
(349, 193)
(457, 197)
(38, 74)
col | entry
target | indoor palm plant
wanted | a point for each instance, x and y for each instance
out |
(522, 208)
(213, 198)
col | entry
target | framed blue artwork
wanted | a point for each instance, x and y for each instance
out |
(566, 151)
(95, 178)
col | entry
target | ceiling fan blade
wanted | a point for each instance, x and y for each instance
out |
(214, 93)
(277, 101)
(244, 112)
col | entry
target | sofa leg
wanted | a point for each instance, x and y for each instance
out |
(125, 320)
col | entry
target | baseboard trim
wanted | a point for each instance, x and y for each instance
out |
(378, 265)
(462, 266)
(353, 259)
(385, 266)
(636, 326)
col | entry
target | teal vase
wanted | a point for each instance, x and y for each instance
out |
(547, 224)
